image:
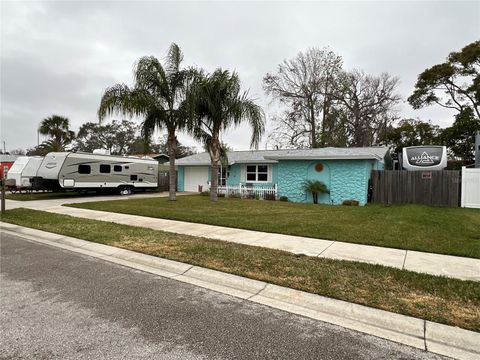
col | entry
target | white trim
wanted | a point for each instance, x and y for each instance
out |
(243, 173)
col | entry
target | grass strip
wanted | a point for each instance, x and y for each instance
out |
(32, 196)
(452, 231)
(45, 196)
(449, 301)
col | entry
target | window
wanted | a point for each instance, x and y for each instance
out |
(251, 173)
(104, 168)
(117, 168)
(84, 169)
(127, 167)
(133, 177)
(223, 174)
(257, 173)
(262, 173)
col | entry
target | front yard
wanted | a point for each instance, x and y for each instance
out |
(44, 196)
(454, 231)
(449, 301)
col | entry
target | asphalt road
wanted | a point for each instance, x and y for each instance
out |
(59, 305)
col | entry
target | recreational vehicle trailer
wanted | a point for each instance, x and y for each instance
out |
(85, 171)
(22, 171)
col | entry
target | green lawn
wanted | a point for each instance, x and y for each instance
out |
(454, 231)
(59, 195)
(44, 196)
(449, 301)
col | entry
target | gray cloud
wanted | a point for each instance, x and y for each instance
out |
(58, 57)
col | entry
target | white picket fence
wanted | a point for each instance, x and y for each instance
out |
(249, 192)
(470, 188)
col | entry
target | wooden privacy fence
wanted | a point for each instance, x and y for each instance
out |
(163, 180)
(441, 188)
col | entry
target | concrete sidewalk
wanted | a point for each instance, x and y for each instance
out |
(434, 264)
(426, 335)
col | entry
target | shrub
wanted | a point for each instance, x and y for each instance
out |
(283, 198)
(205, 193)
(350, 202)
(315, 187)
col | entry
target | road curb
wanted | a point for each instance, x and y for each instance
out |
(437, 338)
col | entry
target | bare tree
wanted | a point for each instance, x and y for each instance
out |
(291, 131)
(369, 103)
(304, 85)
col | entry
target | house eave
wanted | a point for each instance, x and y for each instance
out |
(230, 163)
(325, 157)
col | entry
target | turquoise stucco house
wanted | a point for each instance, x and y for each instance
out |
(345, 171)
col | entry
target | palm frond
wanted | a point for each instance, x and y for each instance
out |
(150, 75)
(123, 100)
(174, 58)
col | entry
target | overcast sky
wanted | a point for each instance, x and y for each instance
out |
(58, 57)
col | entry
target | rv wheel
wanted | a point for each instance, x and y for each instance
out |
(125, 190)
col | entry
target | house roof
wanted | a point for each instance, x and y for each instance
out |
(273, 156)
(8, 158)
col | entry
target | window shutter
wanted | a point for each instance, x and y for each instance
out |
(269, 173)
(243, 173)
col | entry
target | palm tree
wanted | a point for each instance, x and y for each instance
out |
(315, 187)
(216, 104)
(58, 129)
(158, 96)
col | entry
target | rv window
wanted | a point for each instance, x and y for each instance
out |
(127, 167)
(117, 168)
(140, 179)
(105, 168)
(84, 169)
(133, 177)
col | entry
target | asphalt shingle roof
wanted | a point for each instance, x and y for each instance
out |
(272, 156)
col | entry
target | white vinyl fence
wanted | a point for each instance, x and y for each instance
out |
(470, 188)
(249, 192)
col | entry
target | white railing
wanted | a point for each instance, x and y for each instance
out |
(257, 191)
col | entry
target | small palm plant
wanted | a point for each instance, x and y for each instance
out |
(315, 187)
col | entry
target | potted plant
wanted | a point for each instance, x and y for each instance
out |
(315, 187)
